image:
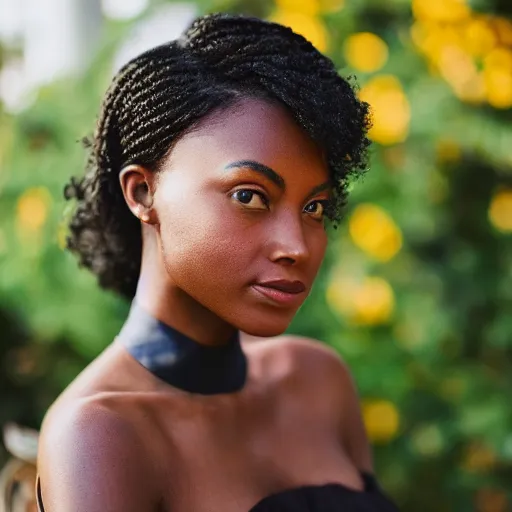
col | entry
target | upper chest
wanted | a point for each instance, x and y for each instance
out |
(226, 453)
(217, 457)
(276, 410)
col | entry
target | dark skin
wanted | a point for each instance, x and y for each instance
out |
(118, 438)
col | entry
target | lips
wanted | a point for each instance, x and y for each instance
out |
(285, 285)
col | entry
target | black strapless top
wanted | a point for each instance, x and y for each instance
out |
(316, 498)
(331, 497)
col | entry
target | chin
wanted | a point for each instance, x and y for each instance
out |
(260, 328)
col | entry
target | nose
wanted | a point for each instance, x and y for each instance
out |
(288, 240)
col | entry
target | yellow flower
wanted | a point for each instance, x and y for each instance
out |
(373, 231)
(390, 109)
(308, 7)
(498, 86)
(480, 39)
(331, 5)
(499, 58)
(429, 38)
(503, 27)
(374, 302)
(306, 25)
(472, 91)
(497, 76)
(459, 70)
(339, 295)
(441, 10)
(369, 302)
(366, 52)
(500, 210)
(381, 420)
(32, 209)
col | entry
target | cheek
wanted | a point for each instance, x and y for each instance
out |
(204, 249)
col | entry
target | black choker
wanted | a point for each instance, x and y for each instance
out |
(179, 360)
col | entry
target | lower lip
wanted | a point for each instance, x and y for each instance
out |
(279, 296)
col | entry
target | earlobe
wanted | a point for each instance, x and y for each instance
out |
(135, 182)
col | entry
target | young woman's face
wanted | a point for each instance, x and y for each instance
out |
(239, 203)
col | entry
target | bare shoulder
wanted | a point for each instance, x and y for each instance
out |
(92, 458)
(323, 379)
(311, 358)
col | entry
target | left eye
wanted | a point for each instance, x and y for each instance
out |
(319, 211)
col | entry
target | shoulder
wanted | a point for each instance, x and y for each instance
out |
(313, 359)
(325, 380)
(92, 418)
(302, 365)
(92, 458)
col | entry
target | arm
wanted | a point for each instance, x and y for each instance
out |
(91, 460)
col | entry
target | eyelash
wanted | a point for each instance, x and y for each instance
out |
(324, 203)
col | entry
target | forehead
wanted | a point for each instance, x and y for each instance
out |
(257, 130)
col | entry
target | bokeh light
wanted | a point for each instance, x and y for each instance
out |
(307, 25)
(390, 108)
(381, 419)
(373, 230)
(32, 209)
(368, 301)
(366, 52)
(500, 210)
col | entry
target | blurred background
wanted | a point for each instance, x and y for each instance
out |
(416, 289)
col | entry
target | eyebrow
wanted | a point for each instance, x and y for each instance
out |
(272, 175)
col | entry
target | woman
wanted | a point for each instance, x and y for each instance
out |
(216, 161)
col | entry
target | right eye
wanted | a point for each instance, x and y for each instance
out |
(246, 197)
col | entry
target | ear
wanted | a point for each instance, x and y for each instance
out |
(136, 183)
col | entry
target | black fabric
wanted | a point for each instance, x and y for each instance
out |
(315, 498)
(330, 497)
(179, 360)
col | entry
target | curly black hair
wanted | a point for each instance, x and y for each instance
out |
(165, 91)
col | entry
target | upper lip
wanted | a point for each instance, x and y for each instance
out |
(285, 285)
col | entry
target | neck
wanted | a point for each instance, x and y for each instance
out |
(164, 300)
(178, 360)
